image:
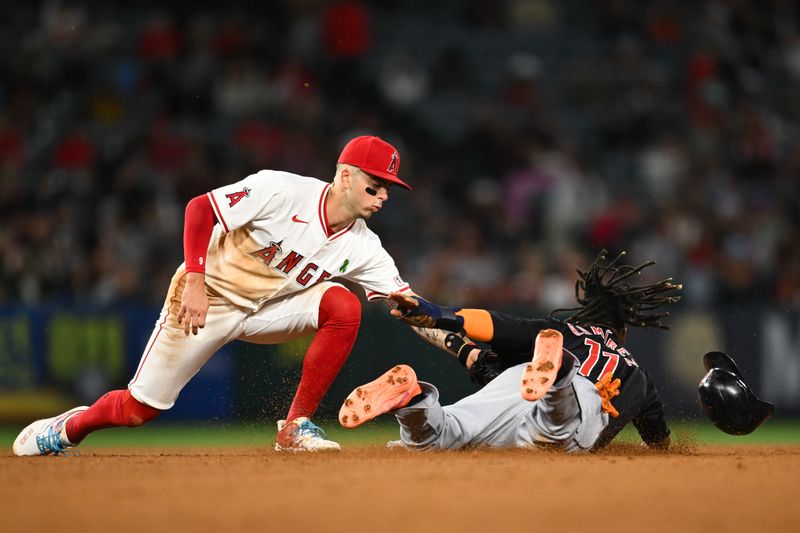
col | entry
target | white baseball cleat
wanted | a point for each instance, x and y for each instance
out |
(302, 435)
(47, 436)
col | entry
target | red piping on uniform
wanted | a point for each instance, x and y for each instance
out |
(377, 294)
(323, 217)
(345, 230)
(217, 212)
(160, 329)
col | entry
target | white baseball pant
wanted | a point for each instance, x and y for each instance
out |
(171, 358)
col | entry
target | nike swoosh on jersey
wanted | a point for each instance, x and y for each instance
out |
(295, 219)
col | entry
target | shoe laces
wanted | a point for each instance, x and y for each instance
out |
(50, 442)
(309, 429)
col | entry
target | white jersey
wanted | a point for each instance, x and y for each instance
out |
(273, 239)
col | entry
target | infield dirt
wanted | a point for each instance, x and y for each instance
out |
(624, 488)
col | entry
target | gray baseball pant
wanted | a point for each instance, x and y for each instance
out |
(569, 416)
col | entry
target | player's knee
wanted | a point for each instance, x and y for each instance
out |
(341, 306)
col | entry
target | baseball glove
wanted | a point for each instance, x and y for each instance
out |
(419, 312)
(486, 367)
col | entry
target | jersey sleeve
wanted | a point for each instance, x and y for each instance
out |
(514, 337)
(514, 334)
(251, 198)
(650, 422)
(379, 276)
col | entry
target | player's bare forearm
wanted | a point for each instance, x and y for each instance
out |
(194, 303)
(434, 337)
(456, 344)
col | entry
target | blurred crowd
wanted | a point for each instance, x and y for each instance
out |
(534, 133)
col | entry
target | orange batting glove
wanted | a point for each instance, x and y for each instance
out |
(608, 389)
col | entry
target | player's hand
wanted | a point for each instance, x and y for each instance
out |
(419, 312)
(414, 310)
(484, 366)
(405, 303)
(194, 303)
(608, 389)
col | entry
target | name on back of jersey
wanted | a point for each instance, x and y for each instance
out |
(600, 359)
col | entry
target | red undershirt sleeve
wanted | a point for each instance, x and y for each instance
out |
(197, 227)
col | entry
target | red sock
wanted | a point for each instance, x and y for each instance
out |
(339, 318)
(113, 409)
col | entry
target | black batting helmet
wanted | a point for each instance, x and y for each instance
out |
(727, 400)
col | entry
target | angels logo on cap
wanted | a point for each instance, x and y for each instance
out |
(373, 155)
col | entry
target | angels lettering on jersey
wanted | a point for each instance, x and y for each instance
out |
(273, 239)
(289, 262)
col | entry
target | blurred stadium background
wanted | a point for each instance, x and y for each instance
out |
(534, 133)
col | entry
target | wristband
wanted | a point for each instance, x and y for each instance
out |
(456, 345)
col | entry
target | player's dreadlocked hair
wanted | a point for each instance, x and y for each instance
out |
(607, 299)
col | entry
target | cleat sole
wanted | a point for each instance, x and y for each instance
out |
(393, 390)
(540, 374)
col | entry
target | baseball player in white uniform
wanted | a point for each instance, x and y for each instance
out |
(259, 255)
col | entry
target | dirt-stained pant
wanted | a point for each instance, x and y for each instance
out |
(171, 358)
(569, 416)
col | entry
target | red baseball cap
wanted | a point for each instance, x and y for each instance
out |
(374, 156)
